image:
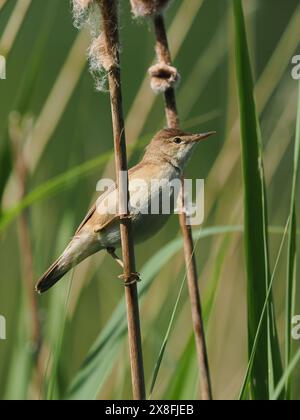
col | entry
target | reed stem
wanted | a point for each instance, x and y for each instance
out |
(111, 38)
(164, 57)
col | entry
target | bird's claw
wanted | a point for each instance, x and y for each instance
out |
(131, 279)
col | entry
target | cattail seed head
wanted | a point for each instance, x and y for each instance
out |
(142, 8)
(99, 55)
(163, 77)
(81, 10)
(101, 61)
(87, 13)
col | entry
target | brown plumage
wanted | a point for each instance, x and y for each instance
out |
(164, 159)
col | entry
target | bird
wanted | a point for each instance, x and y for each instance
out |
(165, 159)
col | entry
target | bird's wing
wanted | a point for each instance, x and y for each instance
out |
(92, 211)
(110, 220)
(101, 222)
(86, 219)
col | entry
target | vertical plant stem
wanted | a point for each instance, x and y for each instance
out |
(16, 137)
(111, 35)
(194, 293)
(164, 56)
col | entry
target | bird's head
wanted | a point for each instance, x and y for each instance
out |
(175, 145)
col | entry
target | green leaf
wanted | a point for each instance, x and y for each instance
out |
(57, 320)
(267, 364)
(292, 255)
(184, 382)
(26, 90)
(187, 355)
(244, 389)
(21, 367)
(166, 339)
(53, 186)
(286, 376)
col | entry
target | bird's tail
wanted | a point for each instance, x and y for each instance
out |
(73, 255)
(80, 247)
(52, 275)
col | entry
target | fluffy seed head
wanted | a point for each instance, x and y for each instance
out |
(99, 56)
(81, 11)
(142, 8)
(100, 61)
(163, 77)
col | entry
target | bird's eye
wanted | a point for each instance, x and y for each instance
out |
(177, 140)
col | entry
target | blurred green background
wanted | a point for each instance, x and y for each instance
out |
(51, 112)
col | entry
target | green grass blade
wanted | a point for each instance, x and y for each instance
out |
(21, 367)
(244, 390)
(51, 187)
(209, 299)
(183, 384)
(292, 255)
(187, 356)
(26, 90)
(52, 389)
(286, 376)
(57, 321)
(266, 365)
(165, 341)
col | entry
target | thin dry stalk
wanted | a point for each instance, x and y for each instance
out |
(111, 39)
(164, 57)
(24, 233)
(21, 172)
(194, 293)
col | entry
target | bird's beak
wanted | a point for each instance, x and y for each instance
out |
(196, 138)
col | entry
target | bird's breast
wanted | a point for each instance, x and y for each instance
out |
(153, 197)
(156, 195)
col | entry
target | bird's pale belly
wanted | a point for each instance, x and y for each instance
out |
(145, 224)
(144, 227)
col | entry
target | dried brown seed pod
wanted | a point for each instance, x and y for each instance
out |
(148, 7)
(163, 77)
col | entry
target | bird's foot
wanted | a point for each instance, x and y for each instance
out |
(131, 279)
(127, 280)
